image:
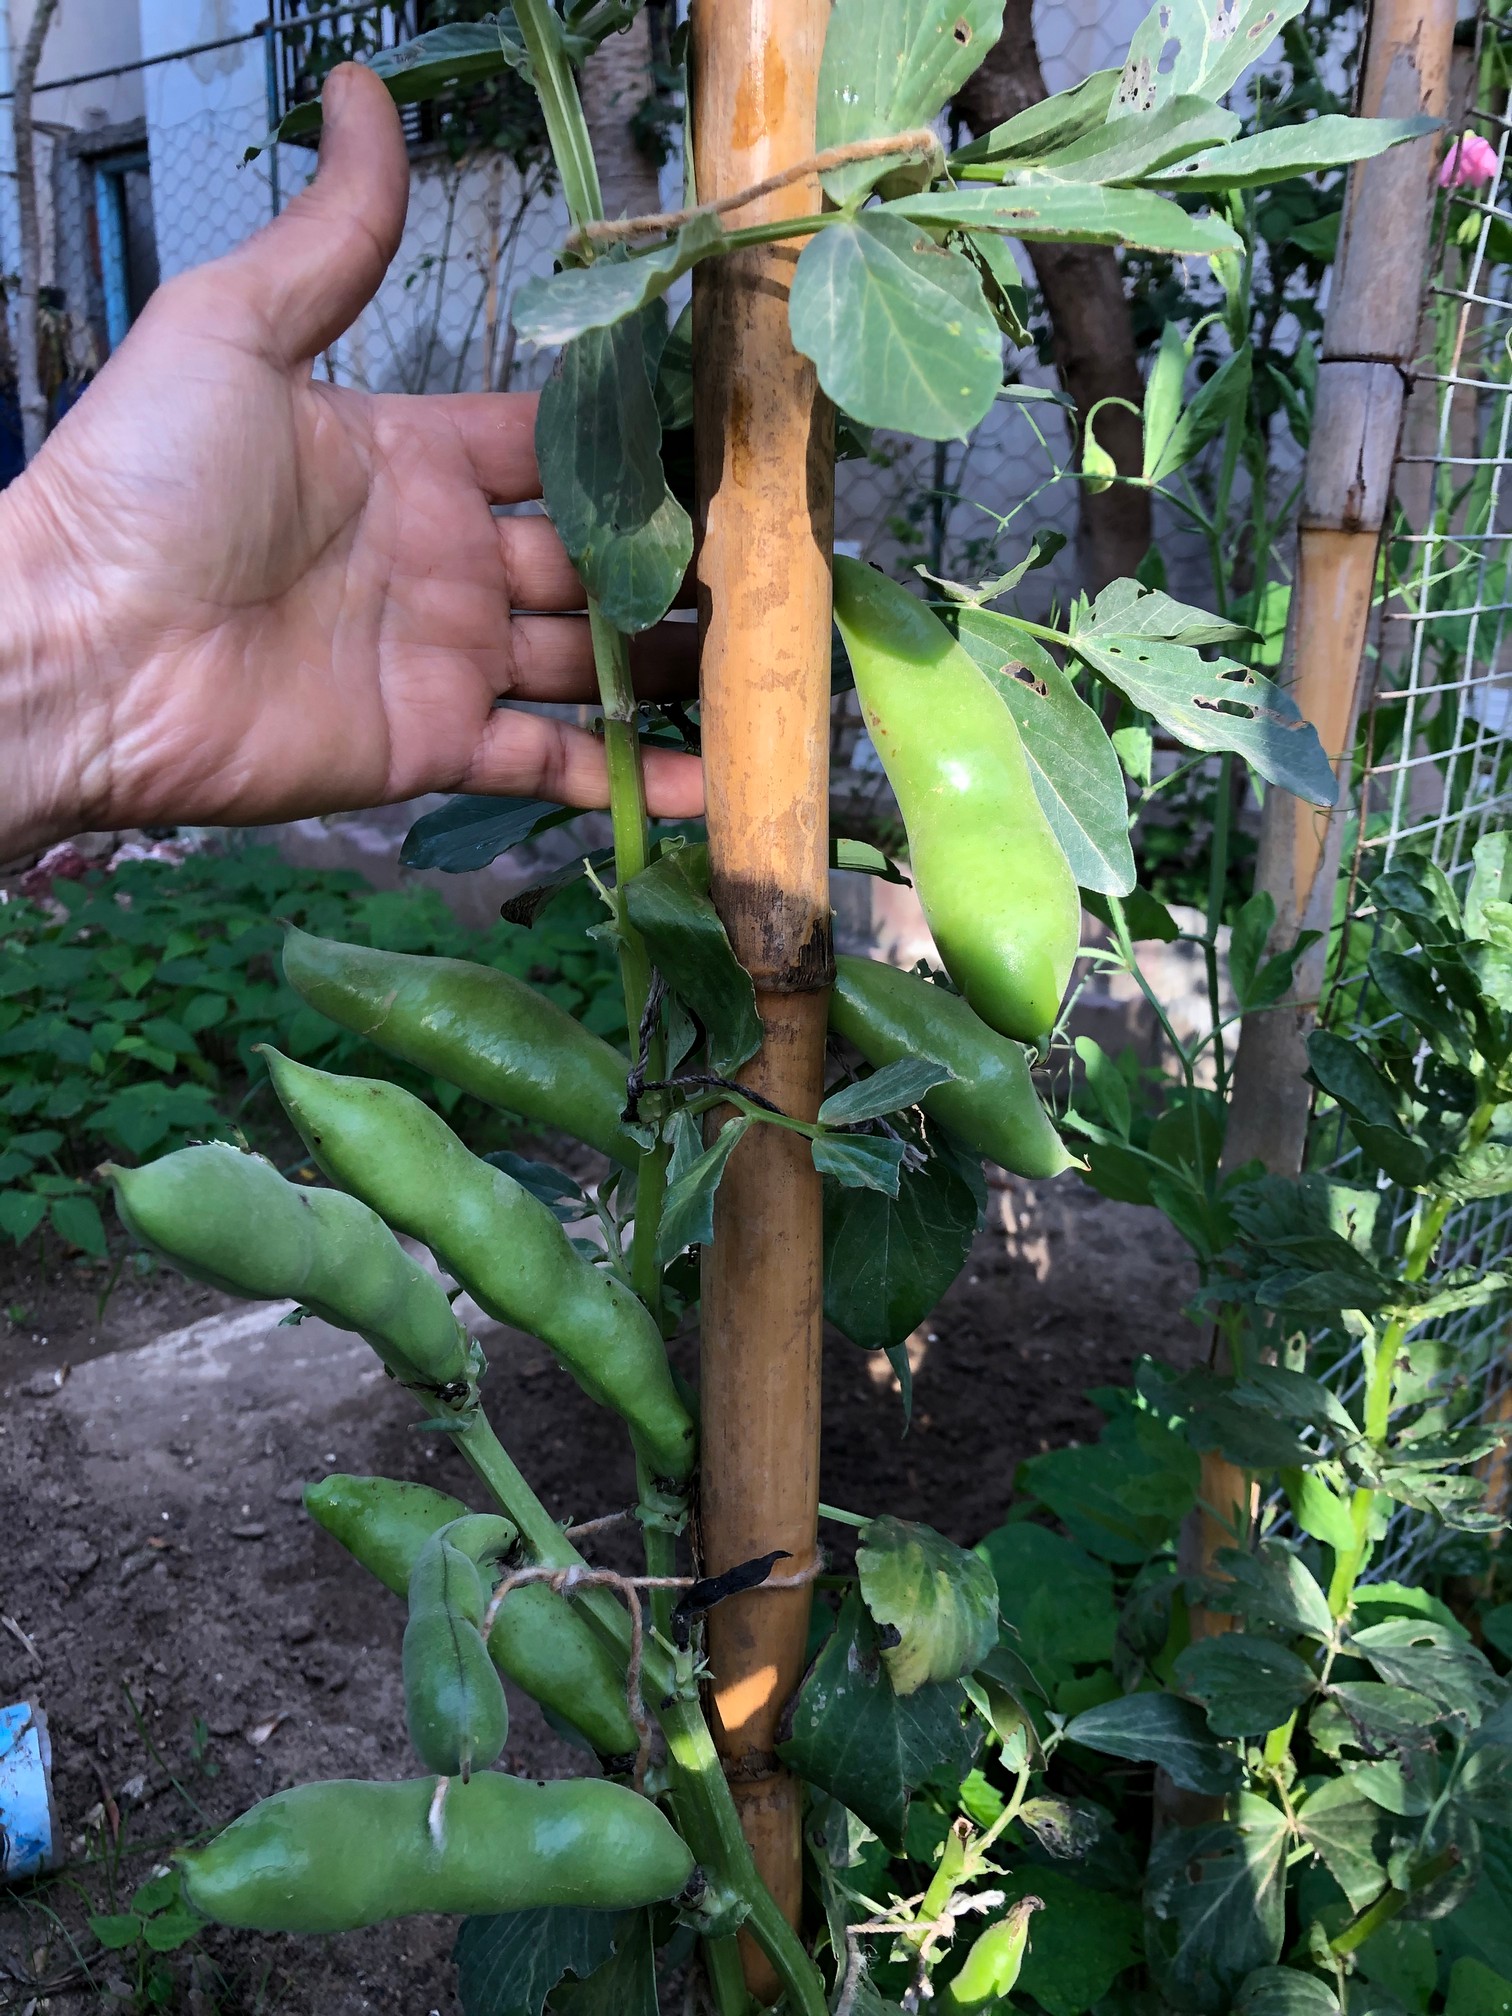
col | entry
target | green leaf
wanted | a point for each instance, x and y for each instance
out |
(1131, 150)
(859, 1161)
(467, 833)
(1368, 1715)
(460, 52)
(1274, 1588)
(1123, 1496)
(1211, 704)
(1079, 213)
(1416, 1653)
(1212, 406)
(1282, 1991)
(116, 1930)
(1247, 1685)
(624, 1986)
(1040, 129)
(1081, 1942)
(937, 1604)
(1215, 1905)
(851, 1734)
(170, 1930)
(1007, 297)
(553, 308)
(598, 443)
(1160, 1729)
(1163, 389)
(507, 1965)
(897, 326)
(688, 1214)
(158, 1892)
(1474, 1990)
(1490, 887)
(1214, 46)
(1400, 1958)
(890, 66)
(901, 1083)
(1330, 141)
(1056, 1598)
(1146, 916)
(1351, 1835)
(77, 1219)
(887, 1261)
(670, 907)
(1075, 770)
(21, 1212)
(1407, 984)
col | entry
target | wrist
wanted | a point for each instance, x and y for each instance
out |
(49, 708)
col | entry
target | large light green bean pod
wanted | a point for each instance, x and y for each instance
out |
(231, 1219)
(539, 1639)
(504, 1246)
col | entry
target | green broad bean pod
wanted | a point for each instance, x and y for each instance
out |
(995, 884)
(539, 1640)
(335, 1856)
(991, 1101)
(477, 1028)
(453, 1698)
(991, 1968)
(231, 1219)
(505, 1247)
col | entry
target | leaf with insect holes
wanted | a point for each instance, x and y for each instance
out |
(890, 66)
(1076, 213)
(1214, 704)
(688, 1213)
(897, 326)
(935, 1605)
(1133, 150)
(1215, 1904)
(1072, 764)
(1195, 47)
(1330, 141)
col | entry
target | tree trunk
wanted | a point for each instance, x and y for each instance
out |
(1093, 332)
(616, 82)
(30, 396)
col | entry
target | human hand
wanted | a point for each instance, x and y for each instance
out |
(232, 593)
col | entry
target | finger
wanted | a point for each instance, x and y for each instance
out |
(313, 270)
(536, 567)
(553, 659)
(532, 756)
(497, 433)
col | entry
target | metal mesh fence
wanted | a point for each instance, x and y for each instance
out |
(1436, 751)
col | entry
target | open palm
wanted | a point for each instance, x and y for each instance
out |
(273, 597)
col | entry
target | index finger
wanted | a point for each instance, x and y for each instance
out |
(496, 431)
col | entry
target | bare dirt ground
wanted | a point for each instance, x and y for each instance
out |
(197, 1643)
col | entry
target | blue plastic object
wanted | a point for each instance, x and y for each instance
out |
(28, 1834)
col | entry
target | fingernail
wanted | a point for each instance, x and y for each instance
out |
(333, 97)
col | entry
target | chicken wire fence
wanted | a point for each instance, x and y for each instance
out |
(1435, 759)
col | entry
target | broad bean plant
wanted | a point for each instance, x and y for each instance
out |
(992, 732)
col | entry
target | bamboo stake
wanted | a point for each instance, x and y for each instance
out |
(1369, 342)
(766, 489)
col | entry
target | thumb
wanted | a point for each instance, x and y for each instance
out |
(318, 264)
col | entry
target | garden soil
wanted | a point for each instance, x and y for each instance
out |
(198, 1643)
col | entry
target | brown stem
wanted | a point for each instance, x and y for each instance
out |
(764, 440)
(615, 231)
(1092, 328)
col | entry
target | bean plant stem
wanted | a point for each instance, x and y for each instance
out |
(700, 1793)
(1422, 1243)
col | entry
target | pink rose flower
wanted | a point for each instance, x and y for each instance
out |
(1470, 163)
